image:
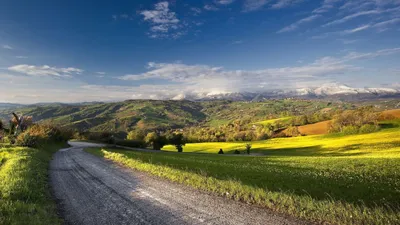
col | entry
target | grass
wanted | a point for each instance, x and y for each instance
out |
(336, 179)
(24, 190)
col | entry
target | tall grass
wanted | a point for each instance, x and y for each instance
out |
(24, 190)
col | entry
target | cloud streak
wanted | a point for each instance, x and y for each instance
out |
(45, 70)
(7, 47)
(298, 23)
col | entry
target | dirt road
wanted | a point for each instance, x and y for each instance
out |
(90, 190)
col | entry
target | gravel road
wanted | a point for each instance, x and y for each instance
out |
(90, 190)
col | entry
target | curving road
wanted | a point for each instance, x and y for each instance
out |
(90, 190)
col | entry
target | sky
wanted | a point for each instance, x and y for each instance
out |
(77, 51)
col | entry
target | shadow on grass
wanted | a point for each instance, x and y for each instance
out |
(345, 185)
(319, 150)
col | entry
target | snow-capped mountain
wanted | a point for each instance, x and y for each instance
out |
(338, 91)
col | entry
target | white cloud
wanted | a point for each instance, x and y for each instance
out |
(7, 47)
(326, 6)
(357, 29)
(370, 55)
(285, 3)
(44, 70)
(101, 73)
(295, 25)
(204, 78)
(196, 11)
(162, 21)
(210, 7)
(21, 57)
(387, 22)
(253, 5)
(352, 16)
(224, 2)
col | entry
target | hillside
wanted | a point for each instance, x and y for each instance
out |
(169, 114)
(157, 114)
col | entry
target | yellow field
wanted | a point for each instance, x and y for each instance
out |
(383, 144)
(283, 119)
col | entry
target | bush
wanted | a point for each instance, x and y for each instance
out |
(350, 130)
(40, 134)
(27, 140)
(248, 147)
(236, 152)
(369, 128)
(292, 131)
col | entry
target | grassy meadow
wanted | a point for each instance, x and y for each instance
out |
(24, 191)
(337, 179)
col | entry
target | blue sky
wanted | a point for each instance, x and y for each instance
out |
(113, 50)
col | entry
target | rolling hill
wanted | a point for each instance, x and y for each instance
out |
(167, 114)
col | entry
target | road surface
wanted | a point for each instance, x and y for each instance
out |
(90, 190)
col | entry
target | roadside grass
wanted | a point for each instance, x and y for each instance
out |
(335, 179)
(24, 191)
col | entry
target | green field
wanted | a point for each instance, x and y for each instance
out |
(338, 179)
(24, 191)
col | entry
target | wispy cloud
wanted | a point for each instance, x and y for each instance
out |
(298, 23)
(285, 3)
(204, 78)
(162, 21)
(253, 5)
(101, 73)
(7, 47)
(238, 42)
(210, 7)
(326, 6)
(352, 16)
(357, 29)
(224, 2)
(21, 57)
(196, 11)
(45, 70)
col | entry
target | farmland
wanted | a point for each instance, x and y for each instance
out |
(302, 176)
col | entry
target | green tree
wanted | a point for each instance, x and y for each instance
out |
(136, 135)
(155, 140)
(178, 140)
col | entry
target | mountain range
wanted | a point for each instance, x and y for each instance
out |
(326, 91)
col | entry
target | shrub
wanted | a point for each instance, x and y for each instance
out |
(369, 128)
(137, 135)
(25, 139)
(350, 130)
(236, 152)
(39, 134)
(292, 131)
(248, 147)
(178, 140)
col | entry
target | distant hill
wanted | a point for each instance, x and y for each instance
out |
(169, 114)
(9, 105)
